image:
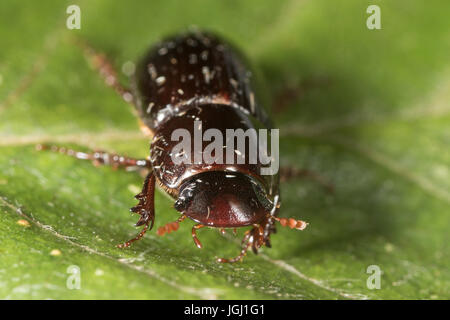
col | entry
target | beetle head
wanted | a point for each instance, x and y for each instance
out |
(223, 199)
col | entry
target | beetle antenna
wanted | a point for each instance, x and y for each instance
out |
(106, 70)
(171, 226)
(292, 223)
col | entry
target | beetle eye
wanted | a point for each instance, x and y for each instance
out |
(261, 195)
(185, 196)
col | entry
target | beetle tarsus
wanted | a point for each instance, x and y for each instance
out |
(240, 257)
(247, 241)
(138, 237)
(194, 235)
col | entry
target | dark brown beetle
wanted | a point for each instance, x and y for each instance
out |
(187, 78)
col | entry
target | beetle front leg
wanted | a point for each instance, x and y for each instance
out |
(145, 208)
(99, 157)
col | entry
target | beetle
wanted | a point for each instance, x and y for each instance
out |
(195, 76)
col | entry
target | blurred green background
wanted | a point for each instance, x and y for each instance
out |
(372, 116)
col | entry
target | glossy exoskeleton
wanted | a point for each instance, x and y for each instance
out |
(198, 77)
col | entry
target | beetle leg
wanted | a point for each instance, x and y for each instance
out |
(255, 238)
(106, 70)
(145, 207)
(246, 243)
(138, 237)
(194, 235)
(288, 173)
(99, 157)
(171, 226)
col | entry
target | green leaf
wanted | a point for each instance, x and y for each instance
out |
(373, 117)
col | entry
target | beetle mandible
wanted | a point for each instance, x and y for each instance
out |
(186, 78)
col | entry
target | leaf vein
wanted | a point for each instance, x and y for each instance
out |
(203, 293)
(391, 165)
(285, 266)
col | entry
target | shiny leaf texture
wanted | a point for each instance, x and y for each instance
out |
(372, 115)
